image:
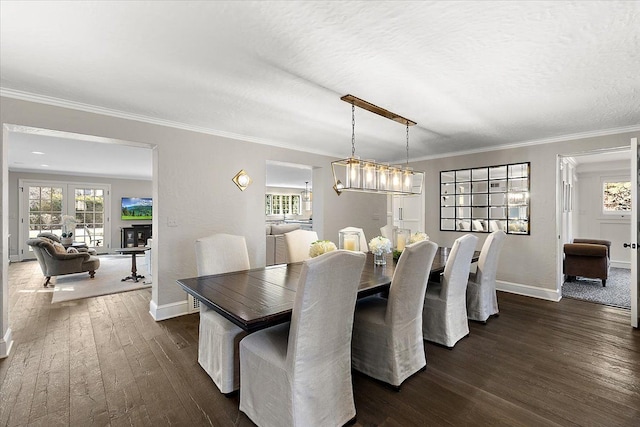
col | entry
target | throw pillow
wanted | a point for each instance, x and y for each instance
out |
(59, 248)
(46, 239)
(72, 251)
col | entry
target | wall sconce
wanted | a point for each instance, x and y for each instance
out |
(242, 180)
(338, 187)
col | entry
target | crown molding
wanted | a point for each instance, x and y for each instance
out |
(88, 108)
(561, 138)
(58, 102)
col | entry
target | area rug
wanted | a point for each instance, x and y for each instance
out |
(617, 293)
(107, 280)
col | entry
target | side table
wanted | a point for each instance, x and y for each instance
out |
(133, 251)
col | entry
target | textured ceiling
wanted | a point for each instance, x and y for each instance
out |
(471, 74)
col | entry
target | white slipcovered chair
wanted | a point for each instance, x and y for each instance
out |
(387, 231)
(298, 243)
(299, 373)
(444, 317)
(387, 341)
(481, 287)
(364, 247)
(218, 338)
(477, 225)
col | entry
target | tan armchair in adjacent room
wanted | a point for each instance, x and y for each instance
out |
(56, 261)
(587, 258)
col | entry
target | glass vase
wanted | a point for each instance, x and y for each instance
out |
(379, 259)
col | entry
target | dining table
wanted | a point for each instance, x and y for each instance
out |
(262, 297)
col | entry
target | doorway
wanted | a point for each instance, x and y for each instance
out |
(81, 156)
(289, 205)
(594, 202)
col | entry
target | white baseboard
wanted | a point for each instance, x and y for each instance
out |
(14, 258)
(5, 344)
(168, 311)
(529, 291)
(621, 264)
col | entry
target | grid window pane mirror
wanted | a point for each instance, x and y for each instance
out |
(486, 199)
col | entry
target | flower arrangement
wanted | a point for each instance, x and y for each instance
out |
(68, 225)
(418, 236)
(380, 245)
(320, 247)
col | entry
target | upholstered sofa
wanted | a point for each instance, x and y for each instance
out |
(54, 259)
(587, 258)
(276, 251)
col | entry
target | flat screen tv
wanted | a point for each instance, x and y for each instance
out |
(136, 208)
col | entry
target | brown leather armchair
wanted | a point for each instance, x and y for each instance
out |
(587, 258)
(55, 262)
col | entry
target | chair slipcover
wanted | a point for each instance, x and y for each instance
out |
(481, 287)
(299, 373)
(477, 225)
(444, 318)
(387, 231)
(298, 243)
(218, 338)
(387, 339)
(364, 247)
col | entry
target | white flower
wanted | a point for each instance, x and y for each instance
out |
(380, 245)
(68, 220)
(320, 247)
(68, 225)
(418, 237)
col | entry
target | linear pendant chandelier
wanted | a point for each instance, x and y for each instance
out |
(367, 176)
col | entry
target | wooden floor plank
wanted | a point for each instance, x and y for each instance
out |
(105, 361)
(88, 403)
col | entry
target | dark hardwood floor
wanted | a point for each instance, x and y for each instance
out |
(104, 361)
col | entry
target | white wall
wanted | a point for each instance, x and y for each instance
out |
(528, 264)
(119, 188)
(192, 188)
(590, 222)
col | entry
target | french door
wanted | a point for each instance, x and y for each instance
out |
(44, 203)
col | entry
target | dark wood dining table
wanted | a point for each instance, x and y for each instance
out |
(262, 297)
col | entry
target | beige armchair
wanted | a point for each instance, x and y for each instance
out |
(55, 261)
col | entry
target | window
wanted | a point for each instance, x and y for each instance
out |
(42, 205)
(282, 204)
(616, 196)
(45, 209)
(90, 213)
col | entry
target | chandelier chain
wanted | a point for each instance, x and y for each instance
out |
(353, 129)
(407, 143)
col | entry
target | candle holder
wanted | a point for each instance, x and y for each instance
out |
(349, 240)
(400, 238)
